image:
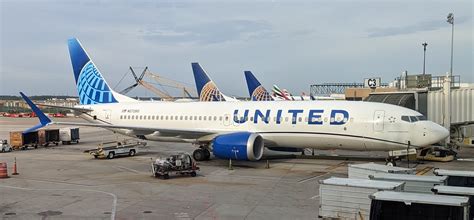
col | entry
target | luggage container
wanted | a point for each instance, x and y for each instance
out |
(20, 140)
(457, 191)
(388, 205)
(349, 198)
(69, 135)
(413, 183)
(457, 177)
(362, 171)
(51, 136)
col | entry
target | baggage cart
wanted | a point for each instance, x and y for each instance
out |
(388, 205)
(458, 191)
(20, 140)
(69, 135)
(457, 177)
(181, 163)
(345, 198)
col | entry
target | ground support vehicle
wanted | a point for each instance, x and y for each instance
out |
(113, 149)
(181, 163)
(5, 147)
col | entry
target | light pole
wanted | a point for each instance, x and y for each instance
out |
(450, 19)
(448, 83)
(424, 56)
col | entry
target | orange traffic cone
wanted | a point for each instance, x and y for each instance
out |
(14, 168)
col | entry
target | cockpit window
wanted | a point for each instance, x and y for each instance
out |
(405, 118)
(421, 118)
(413, 118)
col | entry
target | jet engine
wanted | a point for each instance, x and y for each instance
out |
(238, 146)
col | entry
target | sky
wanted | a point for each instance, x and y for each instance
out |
(289, 43)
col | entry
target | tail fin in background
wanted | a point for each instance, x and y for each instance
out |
(207, 89)
(91, 86)
(279, 93)
(256, 91)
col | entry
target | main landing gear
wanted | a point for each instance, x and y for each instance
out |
(201, 154)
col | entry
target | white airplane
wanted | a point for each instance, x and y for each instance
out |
(241, 130)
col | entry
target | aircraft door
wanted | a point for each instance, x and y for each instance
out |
(378, 120)
(108, 115)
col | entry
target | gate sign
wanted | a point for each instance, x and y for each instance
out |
(372, 82)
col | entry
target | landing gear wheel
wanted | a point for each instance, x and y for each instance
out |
(193, 174)
(207, 154)
(166, 176)
(111, 155)
(391, 163)
(199, 154)
(131, 153)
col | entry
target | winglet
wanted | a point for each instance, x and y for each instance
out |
(44, 120)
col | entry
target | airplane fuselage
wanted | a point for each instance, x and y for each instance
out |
(301, 124)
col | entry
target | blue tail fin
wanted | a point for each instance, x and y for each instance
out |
(256, 90)
(44, 120)
(91, 86)
(206, 88)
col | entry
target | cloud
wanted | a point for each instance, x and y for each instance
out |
(209, 32)
(410, 29)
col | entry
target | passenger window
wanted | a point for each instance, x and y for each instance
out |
(200, 118)
(405, 118)
(166, 118)
(251, 118)
(286, 119)
(220, 118)
(215, 118)
(195, 118)
(186, 118)
(128, 117)
(299, 119)
(204, 118)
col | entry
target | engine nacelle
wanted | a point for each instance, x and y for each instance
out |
(238, 146)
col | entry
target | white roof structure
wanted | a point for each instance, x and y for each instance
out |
(454, 190)
(408, 177)
(363, 183)
(441, 172)
(379, 167)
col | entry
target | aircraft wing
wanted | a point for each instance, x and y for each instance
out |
(68, 108)
(168, 132)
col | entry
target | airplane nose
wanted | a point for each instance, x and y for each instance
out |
(440, 133)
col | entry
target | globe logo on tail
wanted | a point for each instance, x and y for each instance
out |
(92, 88)
(210, 93)
(260, 94)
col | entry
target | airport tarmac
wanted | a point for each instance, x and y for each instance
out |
(64, 183)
